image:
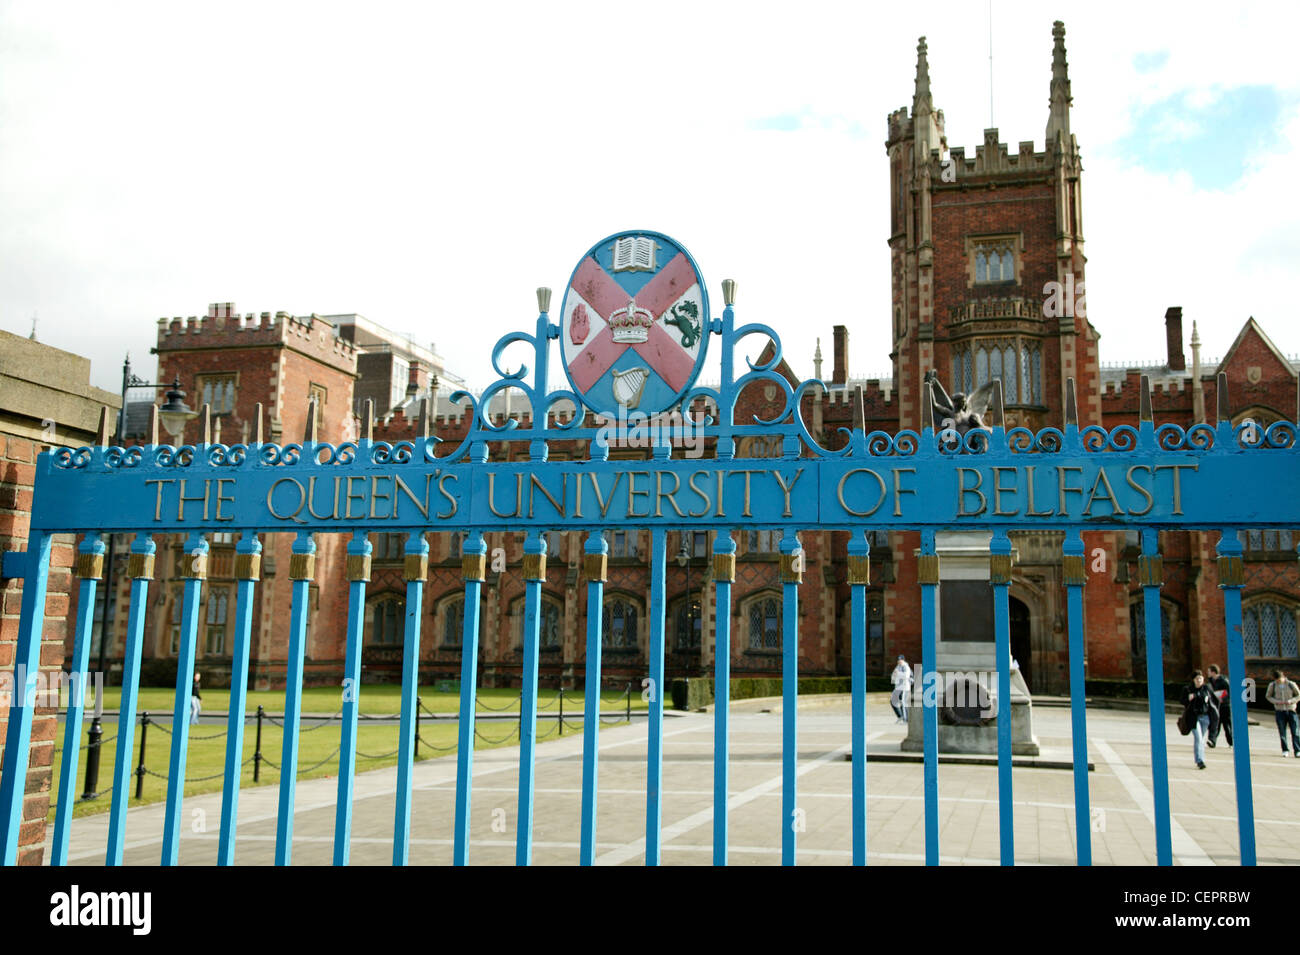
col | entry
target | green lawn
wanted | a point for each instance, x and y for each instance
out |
(318, 741)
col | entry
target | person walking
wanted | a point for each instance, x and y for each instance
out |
(194, 701)
(1284, 695)
(901, 678)
(1219, 684)
(1203, 710)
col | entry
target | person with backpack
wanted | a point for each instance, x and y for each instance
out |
(901, 679)
(1284, 695)
(1202, 712)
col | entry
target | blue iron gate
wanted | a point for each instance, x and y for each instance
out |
(1069, 479)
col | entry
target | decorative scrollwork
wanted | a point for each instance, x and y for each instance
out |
(1171, 437)
(70, 459)
(1020, 439)
(1280, 434)
(1049, 440)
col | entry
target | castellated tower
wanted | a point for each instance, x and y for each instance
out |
(232, 364)
(974, 245)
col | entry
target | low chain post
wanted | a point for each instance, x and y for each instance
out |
(257, 749)
(139, 769)
(93, 748)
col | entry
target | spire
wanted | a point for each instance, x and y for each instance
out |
(922, 97)
(817, 361)
(1059, 98)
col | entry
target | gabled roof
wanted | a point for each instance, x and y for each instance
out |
(1253, 326)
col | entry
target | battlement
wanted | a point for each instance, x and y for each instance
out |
(994, 158)
(223, 327)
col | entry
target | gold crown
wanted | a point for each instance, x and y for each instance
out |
(631, 324)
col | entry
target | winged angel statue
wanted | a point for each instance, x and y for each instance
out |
(961, 412)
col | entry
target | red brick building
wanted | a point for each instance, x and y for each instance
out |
(988, 268)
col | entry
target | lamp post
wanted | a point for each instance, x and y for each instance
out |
(174, 414)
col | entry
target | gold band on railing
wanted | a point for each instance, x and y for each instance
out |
(999, 568)
(194, 566)
(792, 568)
(302, 566)
(140, 567)
(859, 569)
(90, 566)
(473, 566)
(596, 567)
(724, 568)
(248, 566)
(1072, 571)
(534, 566)
(927, 569)
(416, 567)
(358, 567)
(1232, 573)
(1151, 571)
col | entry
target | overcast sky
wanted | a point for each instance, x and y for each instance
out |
(429, 165)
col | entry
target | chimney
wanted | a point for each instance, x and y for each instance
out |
(413, 380)
(840, 375)
(1174, 338)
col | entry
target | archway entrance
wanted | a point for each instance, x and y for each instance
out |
(1021, 647)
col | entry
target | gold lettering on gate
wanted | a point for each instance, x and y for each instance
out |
(839, 492)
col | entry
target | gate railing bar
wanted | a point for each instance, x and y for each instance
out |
(928, 576)
(859, 561)
(193, 570)
(1074, 579)
(724, 575)
(358, 576)
(595, 565)
(1000, 578)
(655, 745)
(791, 576)
(27, 658)
(1231, 579)
(473, 564)
(90, 565)
(140, 570)
(415, 571)
(302, 570)
(248, 570)
(1150, 576)
(534, 576)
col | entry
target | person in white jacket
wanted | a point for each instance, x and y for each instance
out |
(901, 678)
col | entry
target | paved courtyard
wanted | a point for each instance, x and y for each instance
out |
(1204, 803)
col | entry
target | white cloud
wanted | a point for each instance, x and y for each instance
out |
(423, 164)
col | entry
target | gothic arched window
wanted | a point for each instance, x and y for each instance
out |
(765, 623)
(618, 625)
(1269, 630)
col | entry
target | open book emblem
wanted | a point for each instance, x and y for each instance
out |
(634, 253)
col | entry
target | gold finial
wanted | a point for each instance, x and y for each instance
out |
(729, 291)
(543, 299)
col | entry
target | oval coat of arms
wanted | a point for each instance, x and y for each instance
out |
(634, 324)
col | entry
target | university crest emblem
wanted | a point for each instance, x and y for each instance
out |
(634, 324)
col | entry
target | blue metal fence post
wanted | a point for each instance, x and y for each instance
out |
(248, 570)
(140, 570)
(1072, 566)
(90, 567)
(792, 558)
(358, 576)
(27, 664)
(724, 575)
(927, 568)
(595, 567)
(859, 572)
(474, 570)
(193, 570)
(1000, 578)
(1151, 576)
(302, 571)
(534, 576)
(415, 570)
(1231, 579)
(655, 729)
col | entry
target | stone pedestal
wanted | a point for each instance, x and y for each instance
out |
(965, 659)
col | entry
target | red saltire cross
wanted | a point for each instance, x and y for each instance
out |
(672, 362)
